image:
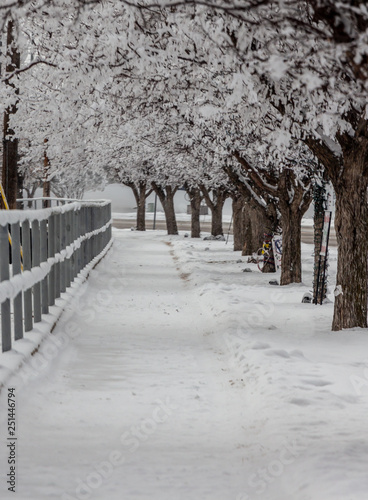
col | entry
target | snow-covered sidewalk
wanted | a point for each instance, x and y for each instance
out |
(135, 404)
(174, 375)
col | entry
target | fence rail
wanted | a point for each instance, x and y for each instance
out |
(49, 248)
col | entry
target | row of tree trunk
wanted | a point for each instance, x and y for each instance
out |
(250, 222)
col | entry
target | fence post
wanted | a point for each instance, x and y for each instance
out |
(68, 241)
(57, 250)
(103, 222)
(109, 230)
(99, 211)
(76, 235)
(43, 255)
(93, 226)
(63, 223)
(17, 269)
(36, 260)
(27, 295)
(85, 231)
(51, 253)
(4, 275)
(88, 240)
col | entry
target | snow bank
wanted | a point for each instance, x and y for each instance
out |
(305, 387)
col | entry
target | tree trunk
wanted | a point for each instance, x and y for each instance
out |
(260, 224)
(10, 142)
(349, 176)
(46, 190)
(10, 168)
(141, 211)
(216, 224)
(169, 209)
(257, 223)
(140, 194)
(141, 206)
(350, 309)
(166, 196)
(291, 259)
(248, 246)
(294, 200)
(238, 206)
(216, 205)
(20, 186)
(195, 205)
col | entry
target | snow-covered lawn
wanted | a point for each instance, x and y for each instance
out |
(175, 375)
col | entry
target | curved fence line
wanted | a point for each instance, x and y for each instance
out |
(49, 248)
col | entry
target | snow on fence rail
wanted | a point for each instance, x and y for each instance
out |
(55, 244)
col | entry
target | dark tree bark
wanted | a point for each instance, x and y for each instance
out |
(248, 246)
(257, 222)
(216, 224)
(292, 210)
(348, 173)
(291, 263)
(140, 193)
(261, 215)
(351, 231)
(46, 188)
(292, 198)
(141, 210)
(195, 198)
(166, 196)
(20, 186)
(216, 205)
(10, 142)
(46, 193)
(238, 206)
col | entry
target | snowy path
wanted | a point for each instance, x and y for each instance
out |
(135, 406)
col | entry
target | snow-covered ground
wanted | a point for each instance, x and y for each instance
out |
(175, 375)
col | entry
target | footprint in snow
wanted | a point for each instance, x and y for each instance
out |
(297, 353)
(260, 345)
(317, 383)
(300, 402)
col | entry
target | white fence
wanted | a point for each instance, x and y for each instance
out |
(49, 247)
